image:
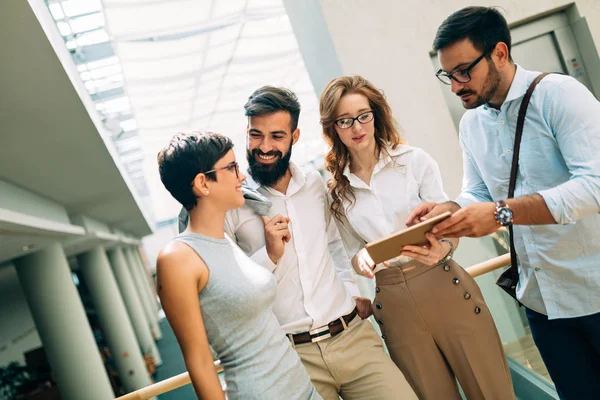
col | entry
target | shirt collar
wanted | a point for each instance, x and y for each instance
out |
(519, 85)
(384, 159)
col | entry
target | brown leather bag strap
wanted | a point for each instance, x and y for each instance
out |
(519, 134)
(514, 272)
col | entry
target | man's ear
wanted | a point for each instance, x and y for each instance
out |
(501, 54)
(295, 135)
(247, 137)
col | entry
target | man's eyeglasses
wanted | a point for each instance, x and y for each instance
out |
(364, 118)
(460, 75)
(231, 167)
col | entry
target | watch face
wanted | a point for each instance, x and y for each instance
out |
(505, 216)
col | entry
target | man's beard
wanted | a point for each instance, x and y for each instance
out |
(268, 174)
(492, 81)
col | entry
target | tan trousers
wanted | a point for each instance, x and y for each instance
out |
(354, 366)
(437, 327)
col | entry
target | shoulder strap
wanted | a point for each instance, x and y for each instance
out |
(513, 271)
(519, 134)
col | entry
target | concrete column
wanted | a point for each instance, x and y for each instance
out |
(115, 323)
(133, 304)
(148, 275)
(147, 287)
(62, 325)
(140, 284)
(145, 277)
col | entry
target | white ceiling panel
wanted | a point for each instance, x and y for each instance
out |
(155, 18)
(191, 64)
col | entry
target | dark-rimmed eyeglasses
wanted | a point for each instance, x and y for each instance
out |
(231, 167)
(460, 75)
(364, 118)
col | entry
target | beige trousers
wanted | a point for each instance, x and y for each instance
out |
(353, 365)
(437, 328)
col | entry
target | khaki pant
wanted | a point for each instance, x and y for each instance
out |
(354, 366)
(437, 327)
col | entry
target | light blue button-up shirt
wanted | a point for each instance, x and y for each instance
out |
(559, 159)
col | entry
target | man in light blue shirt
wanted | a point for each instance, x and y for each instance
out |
(556, 206)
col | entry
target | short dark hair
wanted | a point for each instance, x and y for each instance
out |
(270, 99)
(187, 155)
(483, 26)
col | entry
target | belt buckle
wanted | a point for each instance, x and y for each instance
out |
(316, 331)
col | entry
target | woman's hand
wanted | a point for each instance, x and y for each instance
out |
(429, 254)
(363, 264)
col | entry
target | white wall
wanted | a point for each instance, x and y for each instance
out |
(18, 333)
(389, 42)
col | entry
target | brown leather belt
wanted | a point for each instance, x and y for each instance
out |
(324, 332)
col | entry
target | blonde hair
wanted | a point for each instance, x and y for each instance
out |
(387, 133)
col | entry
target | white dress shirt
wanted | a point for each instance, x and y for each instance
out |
(400, 181)
(315, 279)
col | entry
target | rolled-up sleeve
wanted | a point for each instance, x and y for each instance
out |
(576, 126)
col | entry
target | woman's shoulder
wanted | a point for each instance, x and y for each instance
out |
(177, 253)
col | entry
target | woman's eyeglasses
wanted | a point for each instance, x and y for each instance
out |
(231, 167)
(364, 118)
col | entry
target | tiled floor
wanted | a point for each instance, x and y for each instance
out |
(524, 352)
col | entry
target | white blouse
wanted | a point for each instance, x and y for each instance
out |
(400, 182)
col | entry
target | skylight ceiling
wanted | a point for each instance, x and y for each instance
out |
(156, 67)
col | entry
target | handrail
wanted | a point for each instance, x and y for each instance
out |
(489, 265)
(161, 387)
(183, 379)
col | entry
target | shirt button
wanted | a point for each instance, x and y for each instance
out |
(446, 267)
(537, 269)
(383, 337)
(477, 310)
(378, 305)
(502, 122)
(467, 296)
(508, 151)
(456, 281)
(377, 289)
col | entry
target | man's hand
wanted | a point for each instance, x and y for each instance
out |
(473, 221)
(365, 309)
(427, 210)
(277, 234)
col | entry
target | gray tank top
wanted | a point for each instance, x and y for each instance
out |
(236, 305)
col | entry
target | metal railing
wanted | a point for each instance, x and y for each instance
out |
(183, 379)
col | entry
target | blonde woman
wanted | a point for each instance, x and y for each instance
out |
(434, 320)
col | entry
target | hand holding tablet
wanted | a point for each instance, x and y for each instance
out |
(391, 246)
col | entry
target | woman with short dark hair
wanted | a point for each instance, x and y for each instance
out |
(213, 295)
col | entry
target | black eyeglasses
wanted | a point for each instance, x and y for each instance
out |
(461, 75)
(231, 167)
(364, 118)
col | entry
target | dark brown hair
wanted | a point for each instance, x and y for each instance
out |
(187, 155)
